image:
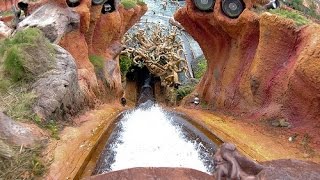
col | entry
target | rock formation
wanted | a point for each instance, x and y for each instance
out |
(95, 34)
(57, 89)
(5, 31)
(259, 66)
(232, 165)
(16, 133)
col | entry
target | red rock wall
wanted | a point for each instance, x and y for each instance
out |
(259, 66)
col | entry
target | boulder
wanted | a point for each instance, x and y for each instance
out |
(18, 133)
(5, 31)
(53, 20)
(58, 90)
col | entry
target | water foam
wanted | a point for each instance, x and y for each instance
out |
(149, 139)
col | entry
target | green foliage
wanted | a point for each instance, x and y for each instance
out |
(200, 68)
(297, 18)
(128, 4)
(299, 6)
(183, 91)
(13, 64)
(97, 61)
(125, 64)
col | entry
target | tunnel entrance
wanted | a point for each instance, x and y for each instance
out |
(108, 7)
(73, 3)
(140, 85)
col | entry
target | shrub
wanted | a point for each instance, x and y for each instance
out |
(183, 91)
(297, 18)
(128, 4)
(200, 68)
(125, 63)
(97, 61)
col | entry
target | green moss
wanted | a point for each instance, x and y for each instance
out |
(125, 64)
(97, 61)
(297, 18)
(128, 4)
(200, 68)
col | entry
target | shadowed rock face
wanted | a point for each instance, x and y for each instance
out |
(259, 66)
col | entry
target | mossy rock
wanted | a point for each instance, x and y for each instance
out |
(26, 55)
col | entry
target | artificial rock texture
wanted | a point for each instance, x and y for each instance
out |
(57, 89)
(17, 133)
(85, 31)
(100, 35)
(260, 67)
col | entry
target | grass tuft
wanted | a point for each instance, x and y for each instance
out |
(296, 17)
(128, 4)
(26, 164)
(21, 58)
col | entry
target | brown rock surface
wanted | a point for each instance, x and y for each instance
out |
(69, 155)
(106, 42)
(259, 66)
(18, 133)
(154, 173)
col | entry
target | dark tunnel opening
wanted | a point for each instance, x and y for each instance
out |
(108, 7)
(145, 83)
(73, 3)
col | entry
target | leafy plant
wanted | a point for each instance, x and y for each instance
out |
(183, 91)
(200, 68)
(125, 63)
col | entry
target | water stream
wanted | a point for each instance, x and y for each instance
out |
(149, 136)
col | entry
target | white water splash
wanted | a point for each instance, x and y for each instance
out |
(150, 140)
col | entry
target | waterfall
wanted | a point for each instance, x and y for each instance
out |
(149, 137)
